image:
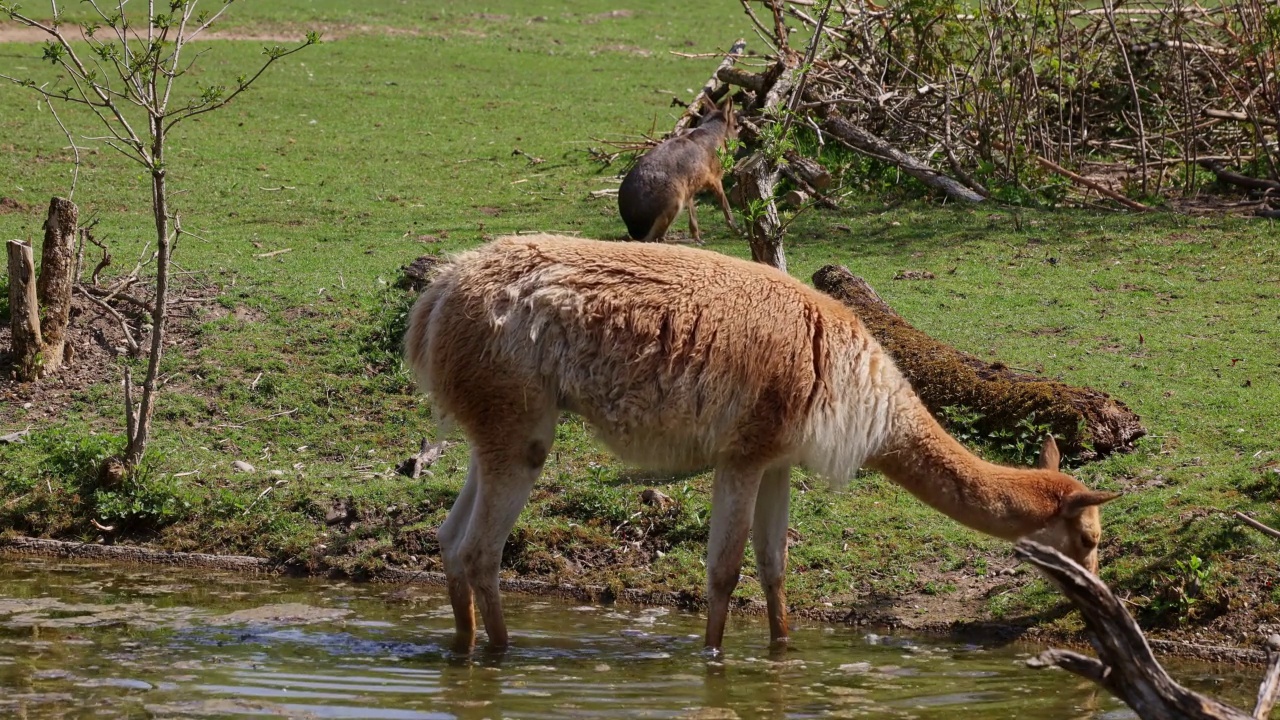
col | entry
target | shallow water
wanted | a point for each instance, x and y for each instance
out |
(82, 640)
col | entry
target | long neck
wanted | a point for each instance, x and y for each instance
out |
(921, 457)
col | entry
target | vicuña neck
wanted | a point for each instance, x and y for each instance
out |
(1001, 501)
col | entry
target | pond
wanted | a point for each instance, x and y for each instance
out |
(89, 640)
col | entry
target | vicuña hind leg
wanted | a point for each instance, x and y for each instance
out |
(450, 538)
(769, 540)
(733, 499)
(508, 470)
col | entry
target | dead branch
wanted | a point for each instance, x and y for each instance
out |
(1239, 117)
(134, 348)
(425, 458)
(1235, 178)
(1264, 529)
(1081, 180)
(712, 90)
(1125, 665)
(864, 142)
(14, 437)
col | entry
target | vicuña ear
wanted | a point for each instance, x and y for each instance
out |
(1049, 455)
(1076, 502)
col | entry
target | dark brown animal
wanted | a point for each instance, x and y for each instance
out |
(666, 179)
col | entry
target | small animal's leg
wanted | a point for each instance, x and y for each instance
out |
(449, 536)
(660, 224)
(769, 540)
(733, 499)
(507, 474)
(717, 186)
(693, 221)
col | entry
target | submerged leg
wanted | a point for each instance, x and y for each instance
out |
(769, 540)
(507, 474)
(450, 536)
(733, 499)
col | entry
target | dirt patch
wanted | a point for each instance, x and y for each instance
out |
(9, 205)
(98, 344)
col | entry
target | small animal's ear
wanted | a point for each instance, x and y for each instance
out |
(1049, 455)
(1076, 502)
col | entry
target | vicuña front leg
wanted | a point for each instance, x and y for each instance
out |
(769, 540)
(733, 499)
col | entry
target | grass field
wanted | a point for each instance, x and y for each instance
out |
(397, 140)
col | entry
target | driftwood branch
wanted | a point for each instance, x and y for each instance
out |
(1125, 665)
(1086, 422)
(1269, 690)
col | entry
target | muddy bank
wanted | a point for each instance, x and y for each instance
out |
(888, 615)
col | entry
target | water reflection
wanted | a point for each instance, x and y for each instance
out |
(83, 640)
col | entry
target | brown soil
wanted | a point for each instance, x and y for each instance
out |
(9, 205)
(98, 345)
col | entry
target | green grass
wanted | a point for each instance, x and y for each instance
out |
(382, 139)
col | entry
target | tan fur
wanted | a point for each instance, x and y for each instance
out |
(666, 179)
(684, 359)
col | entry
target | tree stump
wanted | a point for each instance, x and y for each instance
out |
(24, 311)
(1088, 423)
(40, 342)
(57, 275)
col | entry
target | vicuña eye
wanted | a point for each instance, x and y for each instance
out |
(1089, 543)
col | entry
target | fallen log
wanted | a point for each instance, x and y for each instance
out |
(1125, 664)
(1087, 423)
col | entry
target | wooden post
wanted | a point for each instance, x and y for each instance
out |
(24, 311)
(57, 266)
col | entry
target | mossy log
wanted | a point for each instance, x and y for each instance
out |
(1088, 424)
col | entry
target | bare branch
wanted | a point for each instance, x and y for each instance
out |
(244, 85)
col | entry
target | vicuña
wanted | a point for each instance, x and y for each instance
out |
(684, 359)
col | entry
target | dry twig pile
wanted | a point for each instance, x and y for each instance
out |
(1026, 101)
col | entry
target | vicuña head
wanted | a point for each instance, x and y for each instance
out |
(666, 179)
(684, 359)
